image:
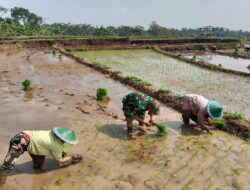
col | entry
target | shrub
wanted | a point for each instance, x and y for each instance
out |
(102, 94)
(220, 124)
(167, 91)
(233, 115)
(26, 84)
(117, 72)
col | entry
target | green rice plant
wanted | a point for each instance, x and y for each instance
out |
(60, 56)
(186, 186)
(117, 72)
(82, 49)
(68, 49)
(179, 55)
(148, 47)
(139, 80)
(167, 91)
(162, 129)
(102, 65)
(102, 94)
(194, 58)
(220, 124)
(220, 65)
(26, 84)
(233, 115)
(54, 51)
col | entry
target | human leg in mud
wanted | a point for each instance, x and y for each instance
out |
(186, 115)
(18, 145)
(37, 161)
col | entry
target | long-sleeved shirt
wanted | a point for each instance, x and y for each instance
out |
(45, 143)
(197, 105)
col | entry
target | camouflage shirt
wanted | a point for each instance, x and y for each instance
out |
(135, 104)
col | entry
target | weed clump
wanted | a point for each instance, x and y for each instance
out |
(102, 94)
(220, 124)
(233, 115)
(117, 72)
(139, 80)
(26, 84)
(167, 91)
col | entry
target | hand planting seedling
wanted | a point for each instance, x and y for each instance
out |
(26, 84)
(102, 94)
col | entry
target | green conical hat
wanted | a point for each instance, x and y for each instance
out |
(66, 135)
(214, 110)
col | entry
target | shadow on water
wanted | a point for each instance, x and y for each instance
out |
(27, 167)
(119, 131)
(114, 131)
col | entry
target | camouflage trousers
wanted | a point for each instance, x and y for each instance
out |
(18, 145)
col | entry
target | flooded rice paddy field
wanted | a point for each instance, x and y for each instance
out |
(231, 91)
(64, 95)
(228, 62)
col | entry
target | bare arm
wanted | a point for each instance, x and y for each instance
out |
(200, 121)
(140, 120)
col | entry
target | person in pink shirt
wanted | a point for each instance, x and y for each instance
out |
(199, 109)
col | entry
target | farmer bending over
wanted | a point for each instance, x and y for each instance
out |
(40, 144)
(135, 104)
(199, 109)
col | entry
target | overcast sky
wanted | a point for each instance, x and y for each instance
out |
(232, 14)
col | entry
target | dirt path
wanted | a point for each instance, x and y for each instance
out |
(64, 95)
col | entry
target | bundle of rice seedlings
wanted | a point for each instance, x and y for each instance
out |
(162, 129)
(102, 94)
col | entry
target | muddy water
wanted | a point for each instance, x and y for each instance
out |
(231, 91)
(237, 64)
(184, 159)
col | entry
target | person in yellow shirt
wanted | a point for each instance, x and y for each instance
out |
(40, 144)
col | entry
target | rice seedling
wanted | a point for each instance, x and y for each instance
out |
(162, 129)
(139, 80)
(220, 124)
(193, 58)
(186, 186)
(117, 72)
(26, 84)
(60, 56)
(82, 49)
(167, 91)
(102, 94)
(220, 65)
(233, 115)
(179, 55)
(102, 65)
(54, 51)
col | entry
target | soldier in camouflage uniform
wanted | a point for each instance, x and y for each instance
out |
(135, 104)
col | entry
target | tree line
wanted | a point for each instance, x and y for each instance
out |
(24, 23)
